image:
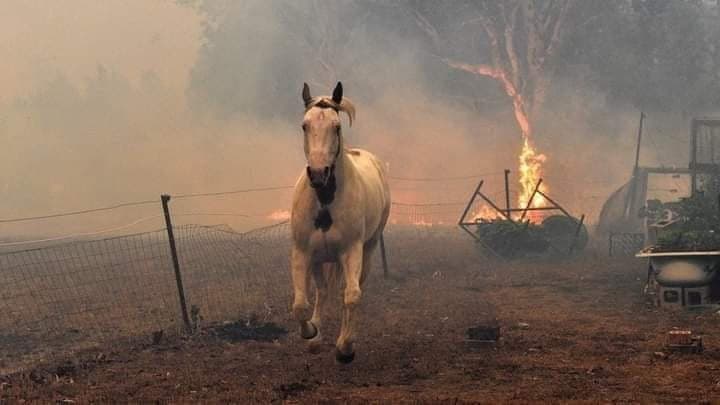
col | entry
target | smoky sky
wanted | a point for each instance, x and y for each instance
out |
(114, 101)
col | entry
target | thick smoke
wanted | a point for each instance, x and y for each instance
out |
(120, 101)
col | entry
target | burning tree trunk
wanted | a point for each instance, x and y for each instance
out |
(523, 35)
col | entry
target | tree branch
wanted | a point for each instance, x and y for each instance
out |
(552, 42)
(510, 43)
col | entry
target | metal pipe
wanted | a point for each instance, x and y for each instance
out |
(532, 196)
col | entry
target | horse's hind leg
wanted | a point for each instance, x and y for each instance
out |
(300, 269)
(368, 251)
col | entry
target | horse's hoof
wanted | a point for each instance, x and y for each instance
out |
(344, 358)
(311, 333)
(315, 346)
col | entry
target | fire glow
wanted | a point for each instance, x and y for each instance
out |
(530, 173)
(279, 215)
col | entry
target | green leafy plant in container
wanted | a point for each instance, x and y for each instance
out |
(698, 228)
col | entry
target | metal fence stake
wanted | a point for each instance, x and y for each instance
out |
(384, 255)
(176, 264)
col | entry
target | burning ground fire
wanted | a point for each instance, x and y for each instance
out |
(279, 215)
(530, 172)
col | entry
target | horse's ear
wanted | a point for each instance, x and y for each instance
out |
(307, 98)
(338, 93)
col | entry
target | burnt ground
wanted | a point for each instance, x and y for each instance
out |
(572, 330)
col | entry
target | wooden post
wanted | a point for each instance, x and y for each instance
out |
(577, 234)
(176, 264)
(693, 157)
(384, 255)
(507, 192)
(632, 190)
(639, 140)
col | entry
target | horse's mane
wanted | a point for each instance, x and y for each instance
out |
(323, 102)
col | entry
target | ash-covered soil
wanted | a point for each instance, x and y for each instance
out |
(571, 330)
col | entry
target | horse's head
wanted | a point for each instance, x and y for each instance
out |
(323, 136)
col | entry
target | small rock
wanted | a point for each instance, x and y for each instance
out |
(592, 370)
(660, 355)
(523, 325)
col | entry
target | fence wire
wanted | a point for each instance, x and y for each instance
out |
(56, 299)
(59, 296)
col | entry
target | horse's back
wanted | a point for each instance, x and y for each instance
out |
(372, 174)
(370, 167)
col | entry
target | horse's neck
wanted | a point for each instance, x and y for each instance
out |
(345, 170)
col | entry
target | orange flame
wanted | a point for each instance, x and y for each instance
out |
(530, 172)
(485, 213)
(420, 221)
(279, 215)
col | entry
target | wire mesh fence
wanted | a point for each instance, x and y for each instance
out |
(625, 244)
(57, 299)
(62, 293)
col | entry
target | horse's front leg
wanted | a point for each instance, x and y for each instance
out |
(322, 275)
(352, 262)
(300, 269)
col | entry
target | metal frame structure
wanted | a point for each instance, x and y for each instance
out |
(696, 167)
(637, 195)
(508, 211)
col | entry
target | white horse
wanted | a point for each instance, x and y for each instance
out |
(340, 208)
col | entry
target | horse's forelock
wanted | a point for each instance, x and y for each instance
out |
(326, 102)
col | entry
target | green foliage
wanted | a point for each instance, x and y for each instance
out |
(674, 241)
(698, 229)
(510, 239)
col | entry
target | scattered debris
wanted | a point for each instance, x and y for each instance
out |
(65, 369)
(484, 332)
(594, 370)
(292, 389)
(157, 337)
(483, 335)
(683, 341)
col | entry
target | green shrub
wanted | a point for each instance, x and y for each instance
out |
(510, 239)
(698, 228)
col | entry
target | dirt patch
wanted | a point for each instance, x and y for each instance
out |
(248, 330)
(572, 331)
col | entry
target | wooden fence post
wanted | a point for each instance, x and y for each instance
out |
(176, 264)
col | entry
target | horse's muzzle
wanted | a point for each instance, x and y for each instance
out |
(319, 177)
